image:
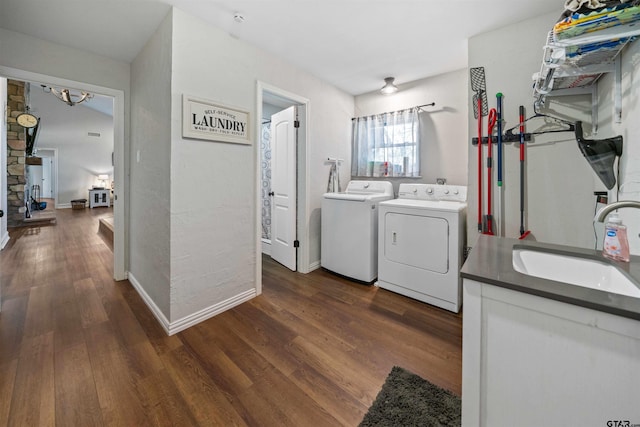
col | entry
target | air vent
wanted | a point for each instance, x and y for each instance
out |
(94, 134)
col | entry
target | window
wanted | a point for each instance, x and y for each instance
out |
(386, 145)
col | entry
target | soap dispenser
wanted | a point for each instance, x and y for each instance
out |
(616, 244)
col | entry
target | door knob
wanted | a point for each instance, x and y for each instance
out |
(1, 213)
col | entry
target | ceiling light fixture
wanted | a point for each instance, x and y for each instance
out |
(66, 96)
(389, 87)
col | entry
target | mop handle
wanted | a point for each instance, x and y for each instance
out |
(521, 170)
(480, 162)
(499, 120)
(490, 125)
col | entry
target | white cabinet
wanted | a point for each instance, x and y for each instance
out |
(99, 198)
(532, 361)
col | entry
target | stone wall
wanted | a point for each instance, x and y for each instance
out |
(16, 145)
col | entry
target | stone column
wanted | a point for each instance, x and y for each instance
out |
(16, 145)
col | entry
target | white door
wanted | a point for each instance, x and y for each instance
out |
(283, 187)
(46, 178)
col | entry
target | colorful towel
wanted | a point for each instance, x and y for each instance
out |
(579, 24)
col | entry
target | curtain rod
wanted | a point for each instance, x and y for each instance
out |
(399, 111)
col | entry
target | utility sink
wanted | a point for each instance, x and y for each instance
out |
(575, 270)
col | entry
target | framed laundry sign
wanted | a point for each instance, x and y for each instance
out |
(204, 119)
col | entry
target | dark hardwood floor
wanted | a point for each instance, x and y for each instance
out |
(78, 349)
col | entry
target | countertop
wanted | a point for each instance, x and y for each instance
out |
(490, 261)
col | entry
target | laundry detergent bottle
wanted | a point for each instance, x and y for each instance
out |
(616, 244)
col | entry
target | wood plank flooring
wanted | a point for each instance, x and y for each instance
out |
(78, 349)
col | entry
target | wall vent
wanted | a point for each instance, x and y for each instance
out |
(94, 134)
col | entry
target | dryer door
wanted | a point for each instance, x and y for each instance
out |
(419, 241)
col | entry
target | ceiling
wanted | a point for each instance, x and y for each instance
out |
(352, 44)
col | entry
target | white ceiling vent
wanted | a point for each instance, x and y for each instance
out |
(97, 134)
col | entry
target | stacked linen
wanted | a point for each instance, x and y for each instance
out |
(580, 24)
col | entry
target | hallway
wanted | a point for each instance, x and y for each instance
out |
(77, 348)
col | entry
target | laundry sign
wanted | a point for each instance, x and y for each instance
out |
(203, 119)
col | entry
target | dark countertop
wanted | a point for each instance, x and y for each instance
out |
(490, 261)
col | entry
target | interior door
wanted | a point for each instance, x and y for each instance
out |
(46, 177)
(283, 187)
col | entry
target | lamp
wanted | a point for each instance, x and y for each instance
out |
(103, 178)
(66, 96)
(388, 87)
(601, 154)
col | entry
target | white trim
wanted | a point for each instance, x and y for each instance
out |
(303, 182)
(155, 310)
(63, 206)
(266, 247)
(209, 312)
(172, 328)
(314, 266)
(120, 191)
(5, 240)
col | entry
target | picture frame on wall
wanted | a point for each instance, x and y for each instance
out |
(209, 120)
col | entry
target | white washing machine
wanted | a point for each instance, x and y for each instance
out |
(421, 242)
(349, 229)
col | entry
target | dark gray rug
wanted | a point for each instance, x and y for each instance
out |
(408, 400)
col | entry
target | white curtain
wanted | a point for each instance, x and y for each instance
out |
(386, 145)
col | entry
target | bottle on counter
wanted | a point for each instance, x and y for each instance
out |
(616, 244)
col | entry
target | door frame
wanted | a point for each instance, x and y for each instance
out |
(120, 191)
(4, 235)
(54, 171)
(303, 185)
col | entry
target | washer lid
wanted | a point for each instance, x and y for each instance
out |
(361, 191)
(370, 187)
(357, 197)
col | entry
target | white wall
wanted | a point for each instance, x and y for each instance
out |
(80, 157)
(213, 227)
(559, 187)
(43, 57)
(150, 175)
(444, 136)
(629, 128)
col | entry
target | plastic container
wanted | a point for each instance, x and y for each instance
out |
(616, 244)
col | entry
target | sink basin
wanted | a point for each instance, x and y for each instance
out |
(586, 272)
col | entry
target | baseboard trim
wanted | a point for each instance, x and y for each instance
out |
(209, 312)
(157, 313)
(172, 328)
(266, 247)
(63, 206)
(314, 266)
(5, 240)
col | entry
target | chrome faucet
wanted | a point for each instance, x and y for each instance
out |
(605, 210)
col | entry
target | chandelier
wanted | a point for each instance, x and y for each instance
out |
(66, 96)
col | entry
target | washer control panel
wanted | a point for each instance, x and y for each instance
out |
(435, 192)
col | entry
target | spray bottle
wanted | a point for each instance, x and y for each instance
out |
(616, 244)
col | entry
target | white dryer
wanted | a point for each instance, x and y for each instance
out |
(349, 229)
(421, 242)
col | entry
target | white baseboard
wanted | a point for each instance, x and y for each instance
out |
(266, 247)
(5, 240)
(63, 206)
(157, 313)
(314, 266)
(172, 328)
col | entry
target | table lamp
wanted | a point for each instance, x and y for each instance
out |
(103, 178)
